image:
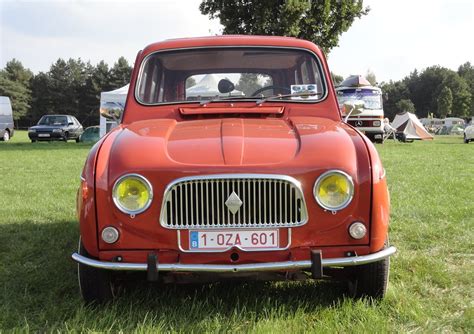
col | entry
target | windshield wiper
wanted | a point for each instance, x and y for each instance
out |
(224, 98)
(279, 96)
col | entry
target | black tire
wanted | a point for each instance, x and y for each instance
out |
(96, 285)
(77, 140)
(370, 280)
(33, 140)
(65, 136)
(466, 141)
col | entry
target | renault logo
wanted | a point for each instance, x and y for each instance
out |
(233, 203)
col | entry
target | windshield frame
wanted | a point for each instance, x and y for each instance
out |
(320, 67)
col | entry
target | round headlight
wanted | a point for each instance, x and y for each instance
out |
(132, 194)
(333, 190)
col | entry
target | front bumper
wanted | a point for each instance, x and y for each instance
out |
(234, 268)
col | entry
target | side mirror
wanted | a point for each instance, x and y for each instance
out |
(70, 123)
(225, 86)
(112, 110)
(353, 107)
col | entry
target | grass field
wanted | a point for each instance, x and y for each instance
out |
(431, 283)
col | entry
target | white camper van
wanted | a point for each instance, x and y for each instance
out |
(6, 119)
(370, 120)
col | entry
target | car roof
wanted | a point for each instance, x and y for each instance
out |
(231, 40)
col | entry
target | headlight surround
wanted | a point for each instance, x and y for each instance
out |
(132, 194)
(32, 130)
(376, 123)
(57, 130)
(333, 190)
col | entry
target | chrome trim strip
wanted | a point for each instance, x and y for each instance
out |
(243, 46)
(289, 179)
(319, 180)
(147, 184)
(227, 249)
(250, 267)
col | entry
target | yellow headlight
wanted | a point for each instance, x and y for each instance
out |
(132, 194)
(334, 190)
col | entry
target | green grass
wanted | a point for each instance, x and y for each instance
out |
(431, 283)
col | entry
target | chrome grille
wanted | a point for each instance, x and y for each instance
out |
(266, 201)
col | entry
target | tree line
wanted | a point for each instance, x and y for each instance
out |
(70, 87)
(435, 91)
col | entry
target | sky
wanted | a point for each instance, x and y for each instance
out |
(391, 41)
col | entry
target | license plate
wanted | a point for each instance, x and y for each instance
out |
(244, 239)
(43, 134)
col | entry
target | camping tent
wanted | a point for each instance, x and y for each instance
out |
(116, 97)
(409, 127)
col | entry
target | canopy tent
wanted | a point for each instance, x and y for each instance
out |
(409, 127)
(115, 97)
(355, 81)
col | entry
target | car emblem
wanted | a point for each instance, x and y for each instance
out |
(359, 123)
(233, 203)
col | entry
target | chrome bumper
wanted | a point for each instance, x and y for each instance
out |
(250, 267)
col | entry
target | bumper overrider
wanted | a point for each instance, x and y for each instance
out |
(316, 263)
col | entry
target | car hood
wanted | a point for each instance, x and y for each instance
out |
(47, 127)
(231, 143)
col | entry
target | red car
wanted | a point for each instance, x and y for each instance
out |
(232, 161)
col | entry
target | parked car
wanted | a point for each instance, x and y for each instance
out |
(90, 134)
(6, 119)
(56, 127)
(469, 133)
(265, 182)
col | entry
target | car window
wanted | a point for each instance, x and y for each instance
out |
(195, 74)
(53, 120)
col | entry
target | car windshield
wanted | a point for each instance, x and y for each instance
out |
(372, 97)
(53, 120)
(229, 73)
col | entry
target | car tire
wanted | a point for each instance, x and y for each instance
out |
(77, 140)
(370, 280)
(466, 141)
(6, 136)
(96, 285)
(65, 136)
(33, 140)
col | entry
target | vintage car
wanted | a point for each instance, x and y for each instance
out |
(55, 127)
(231, 161)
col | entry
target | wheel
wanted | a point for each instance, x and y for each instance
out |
(33, 140)
(96, 285)
(66, 136)
(6, 136)
(370, 280)
(77, 140)
(466, 141)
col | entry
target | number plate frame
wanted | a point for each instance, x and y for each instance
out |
(184, 241)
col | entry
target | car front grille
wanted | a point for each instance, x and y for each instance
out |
(236, 200)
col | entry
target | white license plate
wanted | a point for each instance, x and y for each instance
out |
(244, 239)
(43, 134)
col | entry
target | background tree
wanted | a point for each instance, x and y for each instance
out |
(15, 83)
(336, 79)
(249, 83)
(405, 105)
(466, 72)
(370, 76)
(319, 21)
(120, 73)
(445, 102)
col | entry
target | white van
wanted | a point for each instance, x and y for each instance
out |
(370, 120)
(6, 119)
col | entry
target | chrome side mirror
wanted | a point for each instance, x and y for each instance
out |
(354, 107)
(112, 110)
